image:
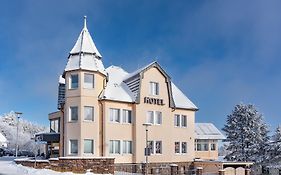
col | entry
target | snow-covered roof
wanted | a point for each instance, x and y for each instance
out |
(85, 43)
(61, 80)
(207, 131)
(180, 100)
(84, 55)
(2, 138)
(116, 89)
(120, 87)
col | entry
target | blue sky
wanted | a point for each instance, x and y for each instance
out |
(219, 53)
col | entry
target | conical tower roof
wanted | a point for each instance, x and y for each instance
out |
(85, 43)
(84, 55)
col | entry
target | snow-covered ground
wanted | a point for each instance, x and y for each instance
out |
(8, 167)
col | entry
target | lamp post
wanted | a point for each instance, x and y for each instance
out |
(18, 117)
(147, 153)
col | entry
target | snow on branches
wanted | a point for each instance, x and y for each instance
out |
(247, 134)
(8, 127)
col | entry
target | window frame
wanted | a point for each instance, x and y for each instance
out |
(89, 85)
(156, 117)
(153, 88)
(93, 146)
(183, 124)
(179, 147)
(127, 147)
(112, 118)
(127, 116)
(177, 120)
(114, 147)
(182, 147)
(213, 147)
(150, 118)
(159, 141)
(70, 119)
(93, 114)
(70, 146)
(71, 77)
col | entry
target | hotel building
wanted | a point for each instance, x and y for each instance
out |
(102, 112)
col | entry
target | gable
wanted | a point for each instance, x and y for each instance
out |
(126, 87)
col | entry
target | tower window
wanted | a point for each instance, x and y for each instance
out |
(73, 113)
(88, 81)
(89, 113)
(73, 81)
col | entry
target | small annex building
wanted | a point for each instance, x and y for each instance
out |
(207, 138)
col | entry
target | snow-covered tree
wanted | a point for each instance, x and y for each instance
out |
(8, 127)
(247, 134)
(275, 146)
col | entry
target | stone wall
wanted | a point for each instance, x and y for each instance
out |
(75, 165)
(157, 168)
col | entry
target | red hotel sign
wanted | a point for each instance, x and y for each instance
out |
(155, 101)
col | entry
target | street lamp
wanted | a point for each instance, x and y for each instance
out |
(18, 117)
(146, 150)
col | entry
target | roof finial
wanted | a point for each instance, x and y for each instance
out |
(85, 22)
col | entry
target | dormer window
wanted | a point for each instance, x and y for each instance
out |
(88, 81)
(73, 81)
(153, 88)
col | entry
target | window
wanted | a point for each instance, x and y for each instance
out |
(183, 121)
(177, 147)
(55, 125)
(88, 146)
(155, 147)
(177, 120)
(202, 145)
(154, 88)
(73, 146)
(73, 112)
(127, 116)
(114, 146)
(127, 147)
(213, 146)
(114, 115)
(180, 121)
(88, 81)
(180, 147)
(183, 147)
(88, 113)
(158, 147)
(150, 117)
(154, 117)
(158, 117)
(205, 147)
(199, 147)
(73, 81)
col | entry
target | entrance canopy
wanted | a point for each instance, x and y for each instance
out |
(47, 137)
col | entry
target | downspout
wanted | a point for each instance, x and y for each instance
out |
(102, 130)
(105, 80)
(62, 110)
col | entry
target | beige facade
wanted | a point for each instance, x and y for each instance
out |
(102, 130)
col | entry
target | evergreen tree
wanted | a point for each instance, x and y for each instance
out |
(246, 133)
(275, 152)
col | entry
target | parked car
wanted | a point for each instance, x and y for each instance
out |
(8, 152)
(26, 153)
